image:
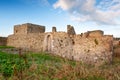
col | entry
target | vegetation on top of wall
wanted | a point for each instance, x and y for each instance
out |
(96, 41)
(44, 66)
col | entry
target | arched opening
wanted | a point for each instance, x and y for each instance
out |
(48, 46)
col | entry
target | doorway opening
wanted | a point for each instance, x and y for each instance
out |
(48, 46)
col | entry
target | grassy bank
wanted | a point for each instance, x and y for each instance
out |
(44, 66)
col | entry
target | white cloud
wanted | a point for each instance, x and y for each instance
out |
(104, 12)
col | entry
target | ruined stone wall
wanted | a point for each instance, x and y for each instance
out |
(28, 28)
(32, 42)
(88, 50)
(93, 50)
(61, 44)
(3, 41)
(70, 30)
(90, 47)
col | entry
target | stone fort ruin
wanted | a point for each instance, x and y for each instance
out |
(89, 47)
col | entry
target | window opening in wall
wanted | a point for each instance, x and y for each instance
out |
(73, 42)
(16, 31)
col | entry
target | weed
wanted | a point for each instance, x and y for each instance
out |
(96, 41)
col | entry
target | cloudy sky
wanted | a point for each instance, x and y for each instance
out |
(84, 15)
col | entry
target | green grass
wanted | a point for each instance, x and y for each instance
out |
(44, 66)
(4, 47)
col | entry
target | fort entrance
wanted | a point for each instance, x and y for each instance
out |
(48, 43)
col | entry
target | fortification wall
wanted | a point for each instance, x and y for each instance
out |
(61, 44)
(93, 50)
(32, 42)
(3, 41)
(90, 47)
(88, 50)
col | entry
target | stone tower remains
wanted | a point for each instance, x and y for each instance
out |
(54, 29)
(28, 28)
(70, 30)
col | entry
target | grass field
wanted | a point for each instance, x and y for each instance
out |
(44, 66)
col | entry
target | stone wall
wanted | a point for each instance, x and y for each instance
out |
(93, 50)
(89, 50)
(28, 28)
(32, 42)
(3, 41)
(20, 29)
(61, 44)
(90, 47)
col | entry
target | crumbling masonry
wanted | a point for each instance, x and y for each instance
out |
(89, 47)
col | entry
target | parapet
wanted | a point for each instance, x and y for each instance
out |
(28, 28)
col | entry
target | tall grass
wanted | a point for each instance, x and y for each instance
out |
(44, 66)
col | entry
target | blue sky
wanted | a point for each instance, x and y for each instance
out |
(84, 15)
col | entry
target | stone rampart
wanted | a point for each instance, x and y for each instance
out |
(32, 42)
(90, 47)
(89, 50)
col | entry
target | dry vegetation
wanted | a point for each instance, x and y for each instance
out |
(43, 66)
